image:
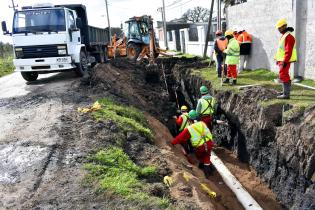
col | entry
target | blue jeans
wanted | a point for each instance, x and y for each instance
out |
(219, 65)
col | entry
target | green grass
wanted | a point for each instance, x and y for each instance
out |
(115, 172)
(6, 66)
(300, 96)
(308, 82)
(127, 118)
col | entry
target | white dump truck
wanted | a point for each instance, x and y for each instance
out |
(52, 38)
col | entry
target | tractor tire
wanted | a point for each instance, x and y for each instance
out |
(82, 67)
(29, 76)
(156, 54)
(133, 51)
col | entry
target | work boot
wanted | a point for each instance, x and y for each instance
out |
(227, 80)
(201, 165)
(208, 170)
(233, 82)
(286, 91)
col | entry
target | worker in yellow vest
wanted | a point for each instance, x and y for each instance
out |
(206, 107)
(232, 57)
(286, 54)
(201, 140)
(182, 121)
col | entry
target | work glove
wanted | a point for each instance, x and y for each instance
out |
(168, 181)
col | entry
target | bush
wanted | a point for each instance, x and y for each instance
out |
(6, 66)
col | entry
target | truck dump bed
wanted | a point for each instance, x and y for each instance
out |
(90, 35)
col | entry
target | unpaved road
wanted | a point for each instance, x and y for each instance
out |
(30, 145)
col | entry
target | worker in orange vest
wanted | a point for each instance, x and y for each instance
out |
(235, 34)
(245, 41)
(220, 45)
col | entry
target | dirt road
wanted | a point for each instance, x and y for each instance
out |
(31, 146)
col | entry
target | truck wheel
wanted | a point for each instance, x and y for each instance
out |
(82, 67)
(133, 51)
(29, 76)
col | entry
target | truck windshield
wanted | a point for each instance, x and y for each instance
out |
(44, 20)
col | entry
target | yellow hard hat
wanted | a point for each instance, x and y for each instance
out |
(184, 108)
(281, 23)
(228, 33)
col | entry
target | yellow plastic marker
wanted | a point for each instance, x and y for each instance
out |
(168, 181)
(96, 106)
(211, 193)
(83, 110)
(186, 177)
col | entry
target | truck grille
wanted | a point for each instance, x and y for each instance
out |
(40, 51)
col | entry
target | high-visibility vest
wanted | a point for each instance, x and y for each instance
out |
(232, 52)
(222, 44)
(199, 134)
(281, 51)
(207, 106)
(244, 38)
(185, 122)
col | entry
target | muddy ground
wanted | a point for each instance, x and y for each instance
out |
(44, 142)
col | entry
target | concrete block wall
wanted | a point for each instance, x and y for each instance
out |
(309, 42)
(196, 47)
(259, 17)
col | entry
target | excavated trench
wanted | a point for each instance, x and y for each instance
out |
(277, 169)
(258, 142)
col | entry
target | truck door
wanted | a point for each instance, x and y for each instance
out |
(73, 33)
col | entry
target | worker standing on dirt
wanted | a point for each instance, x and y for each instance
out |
(219, 46)
(286, 54)
(201, 140)
(245, 41)
(232, 57)
(183, 122)
(206, 107)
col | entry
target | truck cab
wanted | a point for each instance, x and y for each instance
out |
(49, 38)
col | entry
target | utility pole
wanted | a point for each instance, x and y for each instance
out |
(219, 15)
(164, 25)
(109, 31)
(13, 6)
(208, 30)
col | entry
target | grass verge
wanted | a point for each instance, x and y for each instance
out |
(127, 118)
(6, 66)
(114, 172)
(300, 97)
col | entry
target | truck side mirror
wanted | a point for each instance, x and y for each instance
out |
(4, 28)
(78, 22)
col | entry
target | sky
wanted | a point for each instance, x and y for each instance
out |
(119, 10)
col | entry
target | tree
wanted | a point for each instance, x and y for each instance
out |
(6, 49)
(198, 14)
